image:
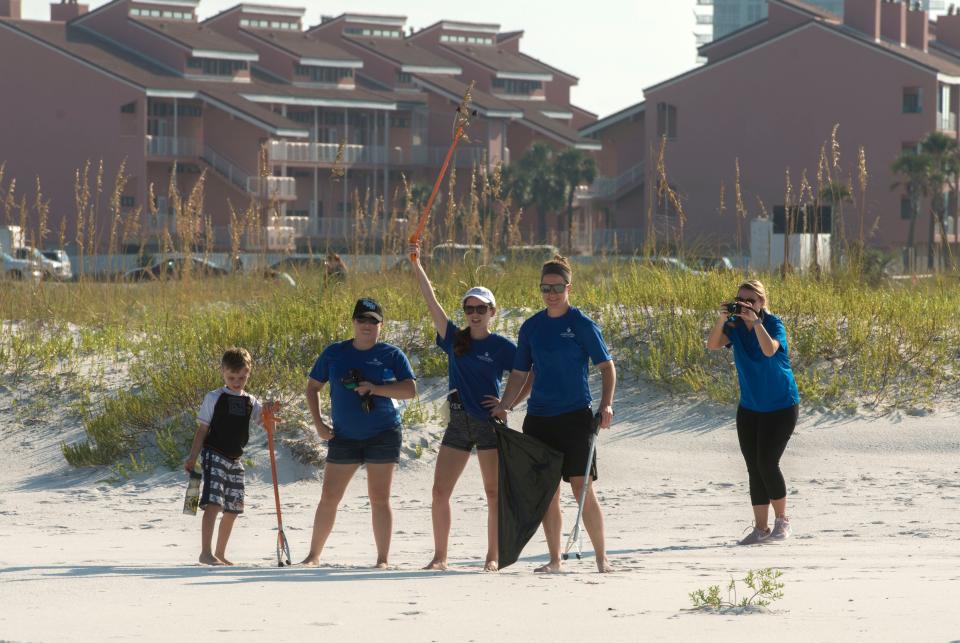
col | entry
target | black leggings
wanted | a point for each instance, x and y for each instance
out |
(763, 439)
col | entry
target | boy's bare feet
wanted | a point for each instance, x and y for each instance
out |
(604, 566)
(437, 565)
(553, 567)
(210, 559)
(491, 566)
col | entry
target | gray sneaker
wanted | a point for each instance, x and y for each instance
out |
(781, 529)
(755, 537)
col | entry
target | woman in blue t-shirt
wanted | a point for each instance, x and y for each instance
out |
(558, 343)
(366, 377)
(769, 402)
(476, 361)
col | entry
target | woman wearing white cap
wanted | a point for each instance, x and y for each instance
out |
(477, 360)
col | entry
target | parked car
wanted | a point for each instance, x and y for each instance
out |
(27, 253)
(63, 269)
(173, 268)
(712, 263)
(531, 254)
(14, 268)
(456, 252)
(673, 264)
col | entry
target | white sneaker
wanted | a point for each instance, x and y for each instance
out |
(781, 529)
(755, 537)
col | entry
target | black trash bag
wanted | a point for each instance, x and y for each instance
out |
(529, 477)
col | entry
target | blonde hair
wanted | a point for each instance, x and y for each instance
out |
(757, 287)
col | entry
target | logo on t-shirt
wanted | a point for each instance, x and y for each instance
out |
(485, 357)
(375, 362)
(569, 334)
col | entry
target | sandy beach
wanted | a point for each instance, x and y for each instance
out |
(874, 554)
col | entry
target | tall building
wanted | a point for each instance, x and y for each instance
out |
(730, 15)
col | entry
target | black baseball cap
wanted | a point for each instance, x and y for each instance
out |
(367, 307)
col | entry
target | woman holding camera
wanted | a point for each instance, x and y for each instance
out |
(476, 361)
(366, 378)
(558, 343)
(769, 402)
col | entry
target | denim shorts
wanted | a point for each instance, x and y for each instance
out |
(465, 431)
(382, 448)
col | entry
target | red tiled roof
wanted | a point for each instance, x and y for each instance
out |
(499, 59)
(300, 44)
(554, 128)
(403, 52)
(194, 36)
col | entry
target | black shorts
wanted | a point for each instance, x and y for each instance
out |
(568, 433)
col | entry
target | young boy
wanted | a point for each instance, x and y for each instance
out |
(223, 429)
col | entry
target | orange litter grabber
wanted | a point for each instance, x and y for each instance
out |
(270, 426)
(460, 124)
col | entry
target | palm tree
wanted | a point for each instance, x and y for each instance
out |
(533, 181)
(943, 168)
(573, 169)
(913, 169)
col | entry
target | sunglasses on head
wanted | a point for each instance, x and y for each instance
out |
(480, 309)
(554, 288)
(367, 321)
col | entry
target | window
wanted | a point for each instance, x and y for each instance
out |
(906, 208)
(666, 121)
(268, 24)
(373, 33)
(516, 87)
(127, 201)
(399, 121)
(912, 100)
(473, 40)
(404, 78)
(162, 110)
(216, 67)
(332, 75)
(129, 108)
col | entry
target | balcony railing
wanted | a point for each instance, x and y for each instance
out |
(293, 152)
(326, 153)
(169, 146)
(947, 122)
(273, 187)
(604, 187)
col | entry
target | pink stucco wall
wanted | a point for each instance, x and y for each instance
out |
(772, 108)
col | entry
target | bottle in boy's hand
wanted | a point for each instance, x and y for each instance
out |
(192, 500)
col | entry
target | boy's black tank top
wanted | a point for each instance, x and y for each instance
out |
(230, 425)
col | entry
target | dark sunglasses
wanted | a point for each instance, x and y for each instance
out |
(366, 321)
(554, 288)
(480, 309)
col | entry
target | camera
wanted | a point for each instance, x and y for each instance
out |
(351, 381)
(734, 308)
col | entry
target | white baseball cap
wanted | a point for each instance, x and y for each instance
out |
(481, 293)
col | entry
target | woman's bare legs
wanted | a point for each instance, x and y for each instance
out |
(335, 480)
(379, 480)
(489, 471)
(450, 465)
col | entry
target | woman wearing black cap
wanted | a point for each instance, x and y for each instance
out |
(558, 343)
(477, 359)
(366, 378)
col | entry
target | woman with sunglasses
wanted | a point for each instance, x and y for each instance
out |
(558, 343)
(366, 377)
(769, 402)
(476, 361)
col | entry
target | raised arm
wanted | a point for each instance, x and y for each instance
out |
(437, 314)
(717, 338)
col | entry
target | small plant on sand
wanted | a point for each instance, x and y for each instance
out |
(764, 587)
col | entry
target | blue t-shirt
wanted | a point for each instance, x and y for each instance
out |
(766, 383)
(380, 364)
(478, 372)
(559, 349)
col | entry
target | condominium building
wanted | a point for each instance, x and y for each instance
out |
(758, 114)
(267, 106)
(730, 15)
